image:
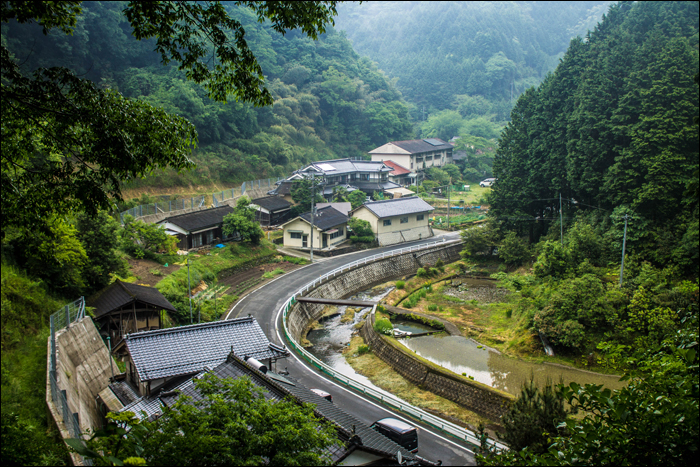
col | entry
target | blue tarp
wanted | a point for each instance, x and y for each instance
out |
(220, 245)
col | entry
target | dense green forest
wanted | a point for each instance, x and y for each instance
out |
(461, 65)
(328, 101)
(601, 158)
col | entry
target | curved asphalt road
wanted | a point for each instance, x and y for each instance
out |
(264, 304)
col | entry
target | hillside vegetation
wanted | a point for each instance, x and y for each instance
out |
(329, 102)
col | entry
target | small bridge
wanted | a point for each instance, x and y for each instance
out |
(335, 301)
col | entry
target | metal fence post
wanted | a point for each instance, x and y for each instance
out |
(67, 316)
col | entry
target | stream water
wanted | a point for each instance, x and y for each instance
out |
(455, 353)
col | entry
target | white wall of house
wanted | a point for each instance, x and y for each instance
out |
(295, 230)
(396, 229)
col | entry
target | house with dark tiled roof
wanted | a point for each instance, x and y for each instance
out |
(415, 155)
(329, 229)
(160, 357)
(358, 443)
(124, 308)
(271, 210)
(197, 229)
(397, 220)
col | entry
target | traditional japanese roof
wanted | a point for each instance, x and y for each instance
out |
(370, 186)
(413, 146)
(398, 169)
(198, 220)
(164, 353)
(397, 207)
(272, 203)
(122, 293)
(326, 218)
(283, 188)
(343, 208)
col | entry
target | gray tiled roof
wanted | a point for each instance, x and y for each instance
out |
(326, 218)
(184, 350)
(272, 203)
(343, 208)
(122, 293)
(200, 219)
(342, 166)
(398, 207)
(415, 146)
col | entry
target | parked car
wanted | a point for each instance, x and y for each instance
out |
(488, 182)
(324, 394)
(398, 431)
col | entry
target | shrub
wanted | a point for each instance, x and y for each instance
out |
(363, 349)
(360, 228)
(400, 285)
(432, 307)
(295, 260)
(274, 273)
(364, 239)
(434, 272)
(384, 326)
(422, 272)
(440, 265)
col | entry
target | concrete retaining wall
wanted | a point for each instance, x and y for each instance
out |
(475, 396)
(480, 398)
(364, 277)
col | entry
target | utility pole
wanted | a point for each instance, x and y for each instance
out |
(561, 223)
(624, 241)
(189, 287)
(313, 196)
(448, 203)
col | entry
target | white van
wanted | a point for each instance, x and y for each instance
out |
(488, 182)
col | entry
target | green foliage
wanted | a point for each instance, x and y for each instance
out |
(383, 326)
(271, 274)
(363, 349)
(554, 260)
(356, 199)
(653, 420)
(140, 239)
(302, 191)
(365, 239)
(360, 227)
(378, 196)
(99, 236)
(241, 222)
(422, 273)
(534, 418)
(479, 239)
(513, 250)
(433, 323)
(295, 260)
(400, 284)
(234, 424)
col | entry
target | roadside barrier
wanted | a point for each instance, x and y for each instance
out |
(444, 426)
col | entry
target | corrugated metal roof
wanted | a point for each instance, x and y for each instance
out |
(272, 203)
(192, 221)
(398, 169)
(397, 207)
(183, 350)
(121, 293)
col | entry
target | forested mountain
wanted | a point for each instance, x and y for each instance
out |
(614, 130)
(329, 102)
(466, 56)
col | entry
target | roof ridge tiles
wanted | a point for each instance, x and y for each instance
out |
(174, 330)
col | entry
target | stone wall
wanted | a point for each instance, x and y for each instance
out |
(364, 277)
(480, 398)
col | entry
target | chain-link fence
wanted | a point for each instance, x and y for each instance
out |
(164, 207)
(62, 319)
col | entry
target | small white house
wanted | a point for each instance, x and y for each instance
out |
(330, 229)
(397, 220)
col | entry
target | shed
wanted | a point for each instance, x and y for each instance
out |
(123, 308)
(196, 229)
(271, 210)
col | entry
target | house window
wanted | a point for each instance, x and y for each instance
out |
(404, 220)
(337, 234)
(296, 235)
(210, 236)
(419, 217)
(387, 222)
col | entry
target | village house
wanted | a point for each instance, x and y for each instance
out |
(397, 220)
(330, 229)
(271, 210)
(400, 174)
(123, 308)
(197, 229)
(415, 155)
(157, 358)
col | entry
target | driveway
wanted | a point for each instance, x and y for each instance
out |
(264, 304)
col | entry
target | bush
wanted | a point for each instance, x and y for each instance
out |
(513, 250)
(440, 265)
(363, 349)
(365, 239)
(274, 273)
(434, 272)
(360, 227)
(422, 273)
(384, 326)
(432, 307)
(400, 285)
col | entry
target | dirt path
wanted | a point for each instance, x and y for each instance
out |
(143, 270)
(246, 281)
